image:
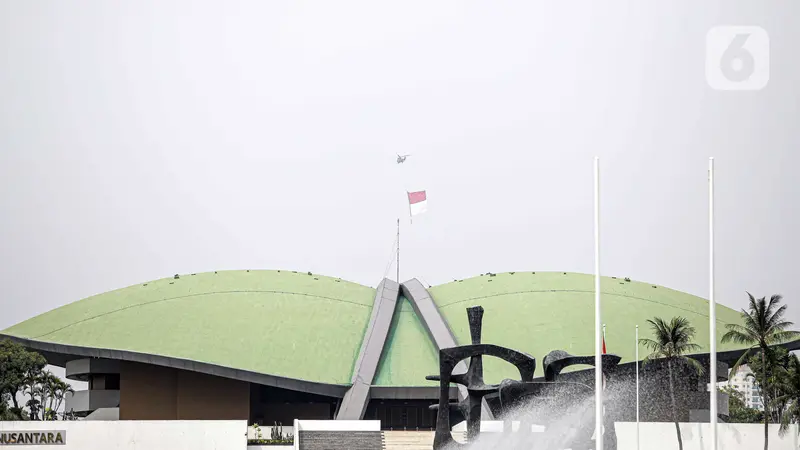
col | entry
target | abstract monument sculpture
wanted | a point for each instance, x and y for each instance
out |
(554, 393)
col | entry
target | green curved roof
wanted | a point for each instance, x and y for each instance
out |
(287, 324)
(536, 312)
(310, 327)
(408, 355)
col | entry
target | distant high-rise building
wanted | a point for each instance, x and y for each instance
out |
(744, 382)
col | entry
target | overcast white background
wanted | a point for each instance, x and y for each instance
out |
(143, 139)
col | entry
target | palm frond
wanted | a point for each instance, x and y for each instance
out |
(689, 348)
(772, 304)
(781, 337)
(660, 329)
(739, 362)
(739, 334)
(781, 326)
(751, 301)
(776, 316)
(751, 322)
(670, 339)
(651, 344)
(693, 363)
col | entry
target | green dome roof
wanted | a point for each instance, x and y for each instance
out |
(282, 323)
(536, 312)
(310, 327)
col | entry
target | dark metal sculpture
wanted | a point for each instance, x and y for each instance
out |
(552, 393)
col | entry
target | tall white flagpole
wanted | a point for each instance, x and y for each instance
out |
(598, 357)
(712, 307)
(637, 387)
(410, 216)
(398, 250)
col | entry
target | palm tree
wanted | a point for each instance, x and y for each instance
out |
(60, 390)
(52, 392)
(764, 325)
(672, 341)
(34, 391)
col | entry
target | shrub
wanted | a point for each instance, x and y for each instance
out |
(286, 441)
(276, 436)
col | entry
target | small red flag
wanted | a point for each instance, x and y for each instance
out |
(417, 197)
(417, 202)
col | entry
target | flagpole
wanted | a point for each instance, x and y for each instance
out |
(598, 358)
(410, 215)
(398, 250)
(637, 387)
(712, 306)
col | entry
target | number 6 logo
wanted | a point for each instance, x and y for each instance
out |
(737, 58)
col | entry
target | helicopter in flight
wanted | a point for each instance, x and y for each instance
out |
(401, 158)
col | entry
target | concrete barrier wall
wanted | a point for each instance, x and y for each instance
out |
(662, 436)
(231, 435)
(338, 435)
(337, 425)
(696, 436)
(138, 435)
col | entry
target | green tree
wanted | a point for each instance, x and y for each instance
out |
(775, 366)
(738, 412)
(54, 391)
(671, 342)
(790, 394)
(764, 326)
(22, 372)
(7, 413)
(17, 367)
(47, 384)
(46, 393)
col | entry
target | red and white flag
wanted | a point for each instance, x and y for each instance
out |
(417, 202)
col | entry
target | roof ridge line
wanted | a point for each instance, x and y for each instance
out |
(501, 294)
(194, 295)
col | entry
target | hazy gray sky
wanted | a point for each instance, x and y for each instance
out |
(143, 139)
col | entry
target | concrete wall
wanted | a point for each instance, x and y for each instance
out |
(285, 413)
(84, 401)
(737, 436)
(140, 435)
(662, 435)
(206, 397)
(149, 392)
(230, 435)
(338, 435)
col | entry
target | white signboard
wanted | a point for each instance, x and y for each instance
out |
(125, 435)
(28, 437)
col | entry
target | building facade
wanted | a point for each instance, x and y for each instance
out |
(274, 346)
(743, 381)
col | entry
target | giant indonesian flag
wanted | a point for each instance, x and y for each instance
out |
(417, 202)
